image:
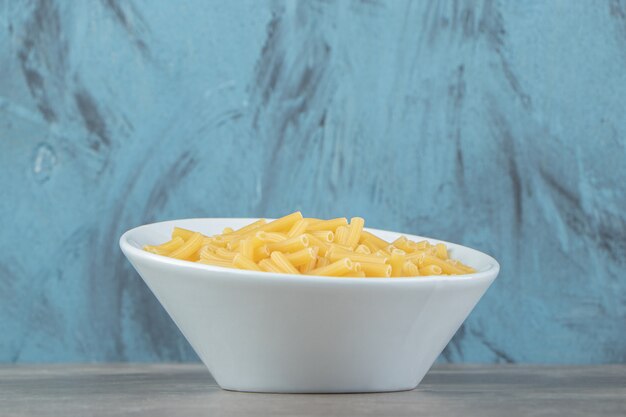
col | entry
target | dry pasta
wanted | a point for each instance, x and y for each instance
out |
(296, 245)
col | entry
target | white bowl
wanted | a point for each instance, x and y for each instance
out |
(264, 332)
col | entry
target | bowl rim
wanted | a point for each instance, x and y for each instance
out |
(131, 250)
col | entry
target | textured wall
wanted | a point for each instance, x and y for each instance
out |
(500, 125)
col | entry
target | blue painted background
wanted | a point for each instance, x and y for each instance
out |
(497, 124)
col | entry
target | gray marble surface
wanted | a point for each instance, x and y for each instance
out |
(189, 390)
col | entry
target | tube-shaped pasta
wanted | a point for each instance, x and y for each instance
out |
(246, 248)
(331, 224)
(260, 253)
(279, 225)
(298, 228)
(324, 235)
(342, 235)
(372, 247)
(382, 253)
(376, 270)
(380, 243)
(283, 263)
(430, 270)
(301, 257)
(341, 267)
(207, 253)
(183, 233)
(415, 256)
(445, 267)
(321, 262)
(409, 269)
(311, 264)
(290, 245)
(336, 255)
(397, 262)
(403, 243)
(270, 237)
(227, 230)
(354, 231)
(250, 227)
(283, 224)
(315, 242)
(423, 244)
(242, 262)
(210, 242)
(362, 249)
(167, 247)
(215, 262)
(191, 246)
(225, 254)
(355, 274)
(441, 251)
(268, 266)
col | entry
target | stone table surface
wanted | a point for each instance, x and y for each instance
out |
(188, 390)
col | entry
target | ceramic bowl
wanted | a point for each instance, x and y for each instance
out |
(265, 332)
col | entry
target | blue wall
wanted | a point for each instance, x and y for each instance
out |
(497, 124)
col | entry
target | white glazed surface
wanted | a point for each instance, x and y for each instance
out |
(264, 332)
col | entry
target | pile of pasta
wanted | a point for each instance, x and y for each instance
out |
(297, 245)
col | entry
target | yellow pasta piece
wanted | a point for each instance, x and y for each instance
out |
(283, 263)
(166, 247)
(331, 224)
(423, 244)
(341, 267)
(311, 264)
(372, 247)
(342, 235)
(397, 262)
(380, 243)
(382, 253)
(354, 231)
(225, 254)
(315, 242)
(415, 256)
(376, 269)
(242, 262)
(268, 266)
(335, 255)
(321, 262)
(260, 253)
(410, 269)
(227, 230)
(430, 270)
(182, 233)
(210, 242)
(441, 251)
(270, 237)
(207, 253)
(301, 257)
(362, 249)
(298, 228)
(191, 246)
(324, 235)
(445, 267)
(246, 248)
(215, 262)
(460, 265)
(290, 245)
(279, 225)
(403, 243)
(355, 274)
(251, 227)
(283, 224)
